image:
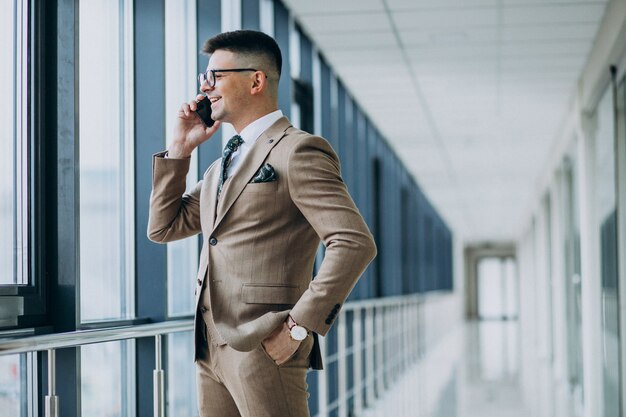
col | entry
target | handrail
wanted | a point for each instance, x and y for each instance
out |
(382, 333)
(86, 337)
(109, 334)
(394, 300)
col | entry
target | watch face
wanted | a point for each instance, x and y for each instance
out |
(298, 333)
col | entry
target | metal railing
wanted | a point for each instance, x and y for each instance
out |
(374, 341)
(52, 342)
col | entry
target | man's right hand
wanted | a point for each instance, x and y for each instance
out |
(189, 131)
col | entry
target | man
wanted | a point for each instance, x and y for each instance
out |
(262, 209)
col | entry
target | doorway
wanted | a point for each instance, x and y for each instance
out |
(497, 288)
(491, 282)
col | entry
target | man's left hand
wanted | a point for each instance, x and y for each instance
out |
(279, 345)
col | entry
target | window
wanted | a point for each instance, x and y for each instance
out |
(181, 375)
(571, 243)
(14, 140)
(107, 391)
(180, 86)
(10, 387)
(620, 126)
(605, 224)
(106, 156)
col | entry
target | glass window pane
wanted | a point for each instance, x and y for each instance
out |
(606, 227)
(571, 244)
(181, 86)
(106, 390)
(14, 141)
(7, 143)
(620, 125)
(181, 376)
(106, 221)
(10, 392)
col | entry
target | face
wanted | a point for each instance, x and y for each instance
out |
(230, 94)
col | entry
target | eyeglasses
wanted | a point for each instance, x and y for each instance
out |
(209, 75)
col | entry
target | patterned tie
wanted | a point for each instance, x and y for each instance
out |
(232, 145)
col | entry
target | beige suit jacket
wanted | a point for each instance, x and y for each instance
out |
(260, 239)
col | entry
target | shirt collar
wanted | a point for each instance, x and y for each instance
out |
(252, 132)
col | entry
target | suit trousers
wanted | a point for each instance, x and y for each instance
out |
(250, 384)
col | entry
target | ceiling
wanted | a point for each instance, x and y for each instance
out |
(470, 93)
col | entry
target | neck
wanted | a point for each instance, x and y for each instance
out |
(250, 117)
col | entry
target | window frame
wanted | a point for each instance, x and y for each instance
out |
(26, 297)
(620, 168)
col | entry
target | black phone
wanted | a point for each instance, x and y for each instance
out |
(204, 112)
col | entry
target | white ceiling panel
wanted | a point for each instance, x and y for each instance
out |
(543, 2)
(546, 48)
(351, 40)
(446, 18)
(326, 7)
(542, 63)
(338, 23)
(440, 4)
(392, 54)
(453, 69)
(458, 51)
(469, 93)
(565, 13)
(577, 31)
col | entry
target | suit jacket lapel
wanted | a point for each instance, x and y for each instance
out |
(212, 178)
(250, 165)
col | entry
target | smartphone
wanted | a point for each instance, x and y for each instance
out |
(204, 112)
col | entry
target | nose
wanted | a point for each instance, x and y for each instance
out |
(204, 87)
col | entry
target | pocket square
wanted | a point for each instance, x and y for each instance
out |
(265, 174)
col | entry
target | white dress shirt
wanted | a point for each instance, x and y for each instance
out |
(249, 135)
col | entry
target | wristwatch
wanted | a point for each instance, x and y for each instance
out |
(296, 331)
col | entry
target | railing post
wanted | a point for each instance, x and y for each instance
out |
(394, 324)
(380, 347)
(322, 381)
(357, 355)
(413, 319)
(342, 371)
(370, 374)
(52, 401)
(390, 326)
(158, 380)
(408, 328)
(405, 329)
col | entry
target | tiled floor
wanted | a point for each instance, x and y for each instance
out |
(472, 372)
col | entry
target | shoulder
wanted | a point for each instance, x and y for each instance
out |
(309, 154)
(298, 141)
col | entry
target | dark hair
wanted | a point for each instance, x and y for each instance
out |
(246, 42)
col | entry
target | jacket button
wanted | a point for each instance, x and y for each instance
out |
(199, 282)
(212, 241)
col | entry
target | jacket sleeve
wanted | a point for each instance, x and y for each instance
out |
(317, 189)
(173, 215)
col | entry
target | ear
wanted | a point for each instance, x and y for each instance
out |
(259, 83)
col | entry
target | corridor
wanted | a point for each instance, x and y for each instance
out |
(472, 371)
(482, 142)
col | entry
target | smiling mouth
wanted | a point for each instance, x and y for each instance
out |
(214, 99)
